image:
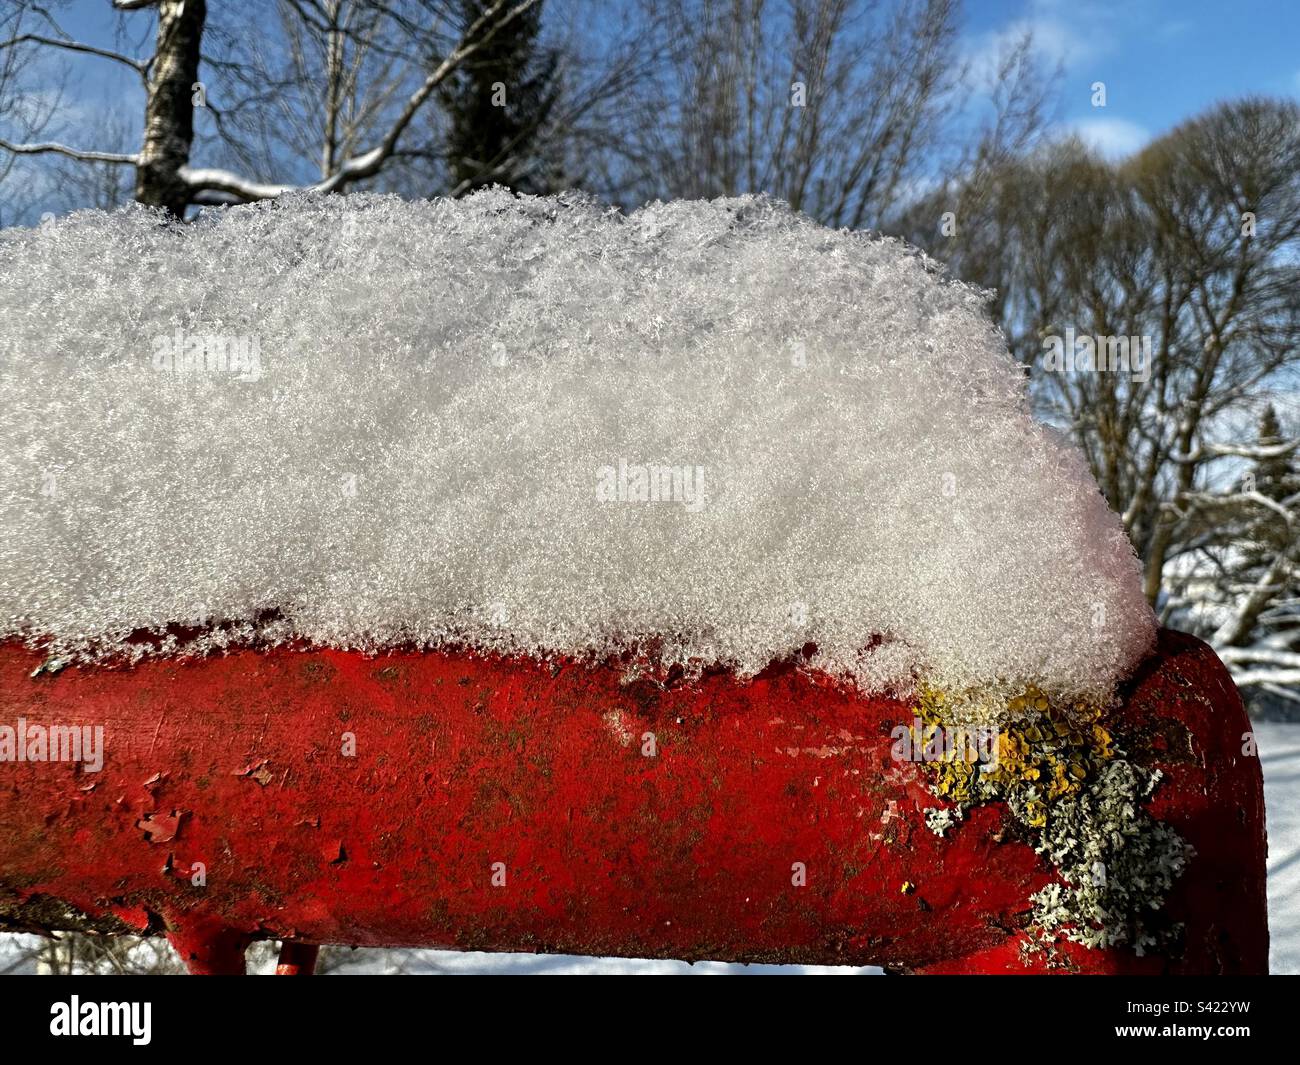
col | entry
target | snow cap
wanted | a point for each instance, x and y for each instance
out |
(715, 433)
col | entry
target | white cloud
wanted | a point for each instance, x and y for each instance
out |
(1054, 44)
(1068, 33)
(1112, 137)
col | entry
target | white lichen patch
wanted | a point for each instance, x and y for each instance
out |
(1079, 801)
(1118, 863)
(938, 820)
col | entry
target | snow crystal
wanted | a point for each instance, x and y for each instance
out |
(704, 433)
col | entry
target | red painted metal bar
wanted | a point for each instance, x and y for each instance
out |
(453, 800)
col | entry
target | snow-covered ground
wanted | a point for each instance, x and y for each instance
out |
(450, 962)
(1279, 748)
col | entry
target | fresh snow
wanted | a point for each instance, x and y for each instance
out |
(434, 424)
(1279, 753)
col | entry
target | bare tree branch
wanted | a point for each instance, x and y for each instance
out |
(140, 66)
(72, 153)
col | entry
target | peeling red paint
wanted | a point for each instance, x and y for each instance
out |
(161, 828)
(258, 771)
(462, 762)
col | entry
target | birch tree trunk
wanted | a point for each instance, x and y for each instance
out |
(169, 107)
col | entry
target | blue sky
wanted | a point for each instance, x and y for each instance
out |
(1162, 61)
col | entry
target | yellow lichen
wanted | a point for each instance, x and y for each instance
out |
(1056, 765)
(1046, 749)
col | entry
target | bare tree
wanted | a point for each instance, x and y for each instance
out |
(844, 108)
(1185, 259)
(27, 114)
(173, 90)
(81, 954)
(1239, 584)
(103, 186)
(331, 75)
(326, 79)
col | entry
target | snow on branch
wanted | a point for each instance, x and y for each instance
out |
(1284, 508)
(365, 164)
(1266, 677)
(1243, 451)
(1280, 692)
(1260, 655)
(1279, 668)
(51, 147)
(234, 187)
(1243, 619)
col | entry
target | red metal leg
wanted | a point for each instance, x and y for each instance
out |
(296, 959)
(209, 948)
